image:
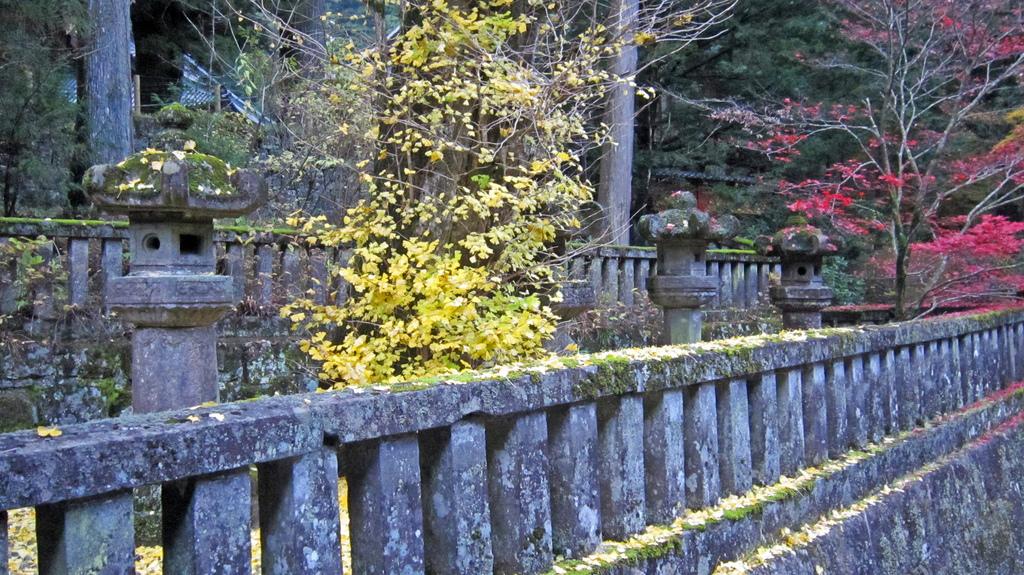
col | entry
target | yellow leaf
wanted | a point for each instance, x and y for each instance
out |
(42, 431)
(189, 146)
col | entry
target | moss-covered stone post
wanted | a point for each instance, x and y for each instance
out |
(801, 293)
(681, 286)
(172, 294)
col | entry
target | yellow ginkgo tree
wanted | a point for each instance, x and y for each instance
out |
(483, 113)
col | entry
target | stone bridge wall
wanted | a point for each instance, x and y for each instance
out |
(510, 471)
(74, 364)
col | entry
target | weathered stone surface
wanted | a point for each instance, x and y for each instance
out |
(385, 509)
(734, 437)
(791, 421)
(173, 368)
(764, 429)
(965, 517)
(620, 426)
(206, 523)
(274, 428)
(877, 398)
(703, 482)
(87, 536)
(78, 271)
(815, 411)
(700, 551)
(456, 513)
(837, 388)
(575, 496)
(299, 517)
(664, 456)
(517, 482)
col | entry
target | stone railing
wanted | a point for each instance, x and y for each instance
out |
(268, 267)
(619, 273)
(271, 267)
(498, 473)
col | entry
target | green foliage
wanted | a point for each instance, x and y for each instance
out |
(37, 119)
(847, 288)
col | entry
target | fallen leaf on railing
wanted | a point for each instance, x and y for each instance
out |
(42, 431)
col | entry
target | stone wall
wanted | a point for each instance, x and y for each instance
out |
(63, 360)
(73, 377)
(658, 460)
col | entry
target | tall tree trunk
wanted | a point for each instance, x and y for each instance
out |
(108, 81)
(615, 192)
(308, 21)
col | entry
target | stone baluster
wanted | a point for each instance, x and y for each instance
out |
(876, 396)
(681, 286)
(836, 394)
(966, 368)
(887, 380)
(910, 398)
(517, 483)
(763, 283)
(956, 376)
(78, 271)
(935, 389)
(703, 483)
(1006, 358)
(342, 288)
(266, 255)
(764, 429)
(627, 282)
(750, 291)
(977, 371)
(620, 460)
(643, 273)
(791, 421)
(299, 514)
(815, 412)
(1018, 352)
(801, 294)
(111, 261)
(664, 456)
(610, 281)
(739, 284)
(385, 509)
(94, 535)
(206, 523)
(857, 402)
(318, 282)
(8, 295)
(714, 271)
(456, 514)
(734, 437)
(725, 286)
(235, 255)
(575, 499)
(43, 305)
(291, 273)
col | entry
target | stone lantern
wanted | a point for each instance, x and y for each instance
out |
(172, 294)
(801, 293)
(682, 286)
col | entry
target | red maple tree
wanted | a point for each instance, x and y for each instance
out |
(934, 67)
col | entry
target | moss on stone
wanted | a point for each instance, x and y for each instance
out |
(141, 174)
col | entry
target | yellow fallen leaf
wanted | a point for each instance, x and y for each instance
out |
(42, 431)
(189, 146)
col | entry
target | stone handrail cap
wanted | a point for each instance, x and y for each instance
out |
(198, 186)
